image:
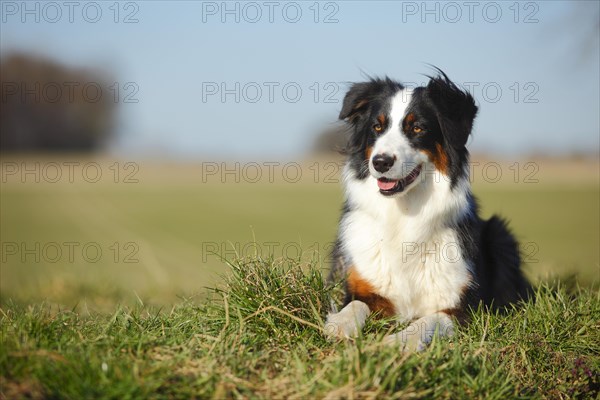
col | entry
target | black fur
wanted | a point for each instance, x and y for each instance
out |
(496, 259)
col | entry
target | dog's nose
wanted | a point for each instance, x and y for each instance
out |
(382, 162)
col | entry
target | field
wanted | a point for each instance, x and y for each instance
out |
(105, 280)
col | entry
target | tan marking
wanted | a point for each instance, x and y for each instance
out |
(382, 120)
(362, 290)
(368, 152)
(442, 159)
(439, 158)
(452, 312)
(410, 118)
(459, 312)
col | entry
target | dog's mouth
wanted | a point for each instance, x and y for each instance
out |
(388, 187)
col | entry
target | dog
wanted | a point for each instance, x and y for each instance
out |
(410, 242)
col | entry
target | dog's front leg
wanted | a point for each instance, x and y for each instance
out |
(419, 333)
(348, 322)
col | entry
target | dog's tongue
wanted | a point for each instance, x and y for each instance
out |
(385, 184)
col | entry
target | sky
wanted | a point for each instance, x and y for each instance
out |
(262, 79)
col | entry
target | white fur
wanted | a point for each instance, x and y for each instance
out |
(395, 144)
(348, 322)
(402, 244)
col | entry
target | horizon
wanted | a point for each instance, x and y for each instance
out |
(246, 80)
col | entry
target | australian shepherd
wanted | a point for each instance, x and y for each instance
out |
(411, 244)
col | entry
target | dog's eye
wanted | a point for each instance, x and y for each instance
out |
(377, 128)
(417, 129)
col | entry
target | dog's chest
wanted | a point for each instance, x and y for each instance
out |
(420, 269)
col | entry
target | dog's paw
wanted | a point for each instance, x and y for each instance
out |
(408, 341)
(348, 322)
(340, 327)
(418, 335)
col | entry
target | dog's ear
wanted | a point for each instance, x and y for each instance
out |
(455, 109)
(356, 101)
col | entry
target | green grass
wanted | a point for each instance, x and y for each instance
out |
(259, 336)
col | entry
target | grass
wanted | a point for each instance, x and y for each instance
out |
(258, 335)
(158, 327)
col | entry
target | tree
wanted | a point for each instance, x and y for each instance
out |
(47, 106)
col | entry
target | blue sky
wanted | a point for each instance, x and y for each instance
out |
(532, 66)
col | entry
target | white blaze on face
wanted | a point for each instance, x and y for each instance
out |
(394, 142)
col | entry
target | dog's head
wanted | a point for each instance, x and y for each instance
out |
(398, 133)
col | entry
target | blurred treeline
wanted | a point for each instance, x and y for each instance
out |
(50, 107)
